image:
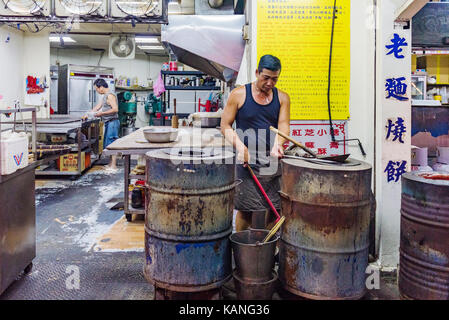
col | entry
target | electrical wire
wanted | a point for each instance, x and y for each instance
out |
(329, 87)
(329, 74)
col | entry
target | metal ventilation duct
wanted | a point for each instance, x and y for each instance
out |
(212, 44)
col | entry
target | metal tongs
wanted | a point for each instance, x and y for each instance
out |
(340, 158)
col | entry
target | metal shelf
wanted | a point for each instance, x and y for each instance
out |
(183, 73)
(57, 173)
(133, 89)
(17, 110)
(192, 88)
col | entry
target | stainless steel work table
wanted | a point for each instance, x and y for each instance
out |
(133, 144)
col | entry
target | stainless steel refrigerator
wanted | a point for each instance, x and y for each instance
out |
(76, 92)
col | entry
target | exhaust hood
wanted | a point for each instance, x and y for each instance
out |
(212, 44)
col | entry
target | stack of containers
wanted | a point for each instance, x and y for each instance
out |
(254, 275)
(13, 152)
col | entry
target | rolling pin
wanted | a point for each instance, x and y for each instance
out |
(174, 118)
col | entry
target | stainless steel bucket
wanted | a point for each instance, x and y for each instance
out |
(255, 291)
(254, 260)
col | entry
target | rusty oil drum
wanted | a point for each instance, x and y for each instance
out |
(324, 242)
(188, 219)
(424, 246)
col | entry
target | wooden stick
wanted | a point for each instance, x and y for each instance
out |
(274, 230)
(294, 141)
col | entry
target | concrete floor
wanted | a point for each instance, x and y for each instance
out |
(77, 232)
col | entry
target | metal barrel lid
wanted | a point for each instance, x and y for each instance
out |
(190, 154)
(349, 165)
(434, 178)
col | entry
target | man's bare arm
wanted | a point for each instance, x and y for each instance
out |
(112, 101)
(283, 125)
(228, 118)
(97, 107)
(284, 118)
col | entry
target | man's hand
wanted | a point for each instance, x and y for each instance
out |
(277, 151)
(98, 114)
(243, 155)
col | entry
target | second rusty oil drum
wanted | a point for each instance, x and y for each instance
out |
(424, 248)
(324, 242)
(188, 218)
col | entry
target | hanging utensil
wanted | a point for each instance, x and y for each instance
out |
(264, 193)
(340, 158)
(274, 229)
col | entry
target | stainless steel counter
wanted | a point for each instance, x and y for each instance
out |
(17, 225)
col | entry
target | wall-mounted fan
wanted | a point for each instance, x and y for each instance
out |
(122, 47)
(24, 7)
(136, 8)
(64, 8)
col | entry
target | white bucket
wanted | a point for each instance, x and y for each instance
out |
(419, 156)
(443, 155)
(13, 152)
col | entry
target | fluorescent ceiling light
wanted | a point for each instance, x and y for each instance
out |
(146, 40)
(57, 39)
(151, 47)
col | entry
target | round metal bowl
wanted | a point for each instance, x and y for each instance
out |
(160, 135)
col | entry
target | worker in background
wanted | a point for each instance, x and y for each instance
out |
(107, 110)
(255, 107)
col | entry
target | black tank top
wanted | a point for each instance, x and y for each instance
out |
(253, 122)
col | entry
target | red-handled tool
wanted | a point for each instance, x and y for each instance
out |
(263, 192)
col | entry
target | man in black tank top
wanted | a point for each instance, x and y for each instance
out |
(255, 107)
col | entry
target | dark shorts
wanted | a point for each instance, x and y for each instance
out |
(111, 129)
(248, 196)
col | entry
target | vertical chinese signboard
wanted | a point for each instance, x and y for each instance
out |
(393, 129)
(298, 32)
(397, 105)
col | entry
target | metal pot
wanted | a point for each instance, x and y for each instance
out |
(207, 122)
(160, 135)
(127, 130)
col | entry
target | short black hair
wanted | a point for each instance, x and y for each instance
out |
(101, 83)
(269, 62)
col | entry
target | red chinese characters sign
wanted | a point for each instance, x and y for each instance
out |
(316, 136)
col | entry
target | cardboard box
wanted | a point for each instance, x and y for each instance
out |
(69, 162)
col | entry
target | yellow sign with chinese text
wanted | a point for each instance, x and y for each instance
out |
(298, 32)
